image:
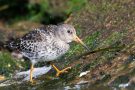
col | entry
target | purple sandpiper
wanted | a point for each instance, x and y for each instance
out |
(46, 44)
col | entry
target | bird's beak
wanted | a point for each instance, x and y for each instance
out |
(78, 40)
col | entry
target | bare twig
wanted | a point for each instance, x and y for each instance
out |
(68, 19)
(3, 7)
(125, 48)
(101, 49)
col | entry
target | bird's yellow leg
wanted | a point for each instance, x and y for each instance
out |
(2, 77)
(31, 73)
(60, 71)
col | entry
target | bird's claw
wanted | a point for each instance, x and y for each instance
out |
(62, 71)
(33, 82)
(2, 78)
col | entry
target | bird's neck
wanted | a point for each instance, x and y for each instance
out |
(61, 44)
(59, 37)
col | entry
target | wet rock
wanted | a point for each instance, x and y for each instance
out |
(101, 24)
(123, 79)
(83, 73)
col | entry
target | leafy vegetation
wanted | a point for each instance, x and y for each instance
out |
(8, 64)
(44, 11)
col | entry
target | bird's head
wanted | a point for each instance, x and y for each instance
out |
(67, 33)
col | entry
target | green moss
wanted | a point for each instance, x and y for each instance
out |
(76, 49)
(92, 40)
(8, 65)
(113, 38)
(75, 5)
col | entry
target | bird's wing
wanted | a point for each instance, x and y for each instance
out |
(28, 40)
(37, 33)
(22, 43)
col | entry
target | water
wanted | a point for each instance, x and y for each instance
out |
(54, 85)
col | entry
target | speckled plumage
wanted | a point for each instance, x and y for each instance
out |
(45, 43)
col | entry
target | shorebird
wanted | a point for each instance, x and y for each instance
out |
(46, 44)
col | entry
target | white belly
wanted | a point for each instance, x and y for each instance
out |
(48, 52)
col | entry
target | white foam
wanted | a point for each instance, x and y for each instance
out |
(82, 82)
(83, 73)
(36, 72)
(124, 85)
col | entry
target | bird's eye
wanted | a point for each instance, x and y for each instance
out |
(69, 32)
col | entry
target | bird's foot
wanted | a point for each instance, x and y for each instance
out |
(62, 71)
(2, 77)
(33, 82)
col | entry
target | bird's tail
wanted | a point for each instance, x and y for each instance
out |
(1, 45)
(9, 45)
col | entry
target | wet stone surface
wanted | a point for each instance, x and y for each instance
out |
(107, 27)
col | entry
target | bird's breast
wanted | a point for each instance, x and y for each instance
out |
(53, 51)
